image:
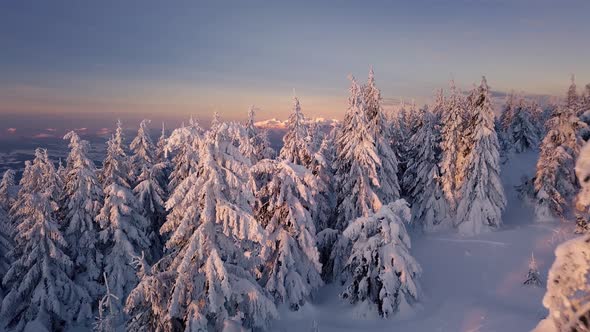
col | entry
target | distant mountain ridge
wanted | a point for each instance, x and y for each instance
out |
(277, 124)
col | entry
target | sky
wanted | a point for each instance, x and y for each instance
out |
(68, 64)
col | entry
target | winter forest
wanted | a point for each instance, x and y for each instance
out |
(213, 230)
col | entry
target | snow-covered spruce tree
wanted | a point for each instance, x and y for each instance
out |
(151, 198)
(583, 198)
(451, 133)
(430, 210)
(387, 170)
(555, 181)
(40, 287)
(258, 140)
(377, 268)
(522, 133)
(109, 311)
(122, 225)
(6, 201)
(533, 277)
(438, 108)
(6, 187)
(291, 272)
(357, 163)
(143, 149)
(568, 291)
(482, 195)
(183, 144)
(83, 195)
(116, 161)
(508, 112)
(572, 100)
(207, 267)
(296, 147)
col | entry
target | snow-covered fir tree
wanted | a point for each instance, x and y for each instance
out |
(122, 225)
(555, 181)
(377, 268)
(258, 140)
(508, 112)
(109, 311)
(568, 290)
(452, 133)
(83, 195)
(387, 169)
(285, 203)
(482, 195)
(183, 144)
(209, 262)
(522, 133)
(40, 286)
(572, 99)
(116, 161)
(6, 232)
(533, 277)
(582, 201)
(430, 209)
(7, 185)
(296, 148)
(143, 149)
(151, 198)
(360, 190)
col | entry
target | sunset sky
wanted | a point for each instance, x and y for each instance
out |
(85, 63)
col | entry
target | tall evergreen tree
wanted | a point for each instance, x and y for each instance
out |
(83, 195)
(258, 140)
(482, 195)
(183, 143)
(285, 204)
(377, 268)
(522, 133)
(144, 150)
(451, 132)
(296, 148)
(121, 222)
(356, 164)
(7, 185)
(387, 169)
(40, 286)
(555, 182)
(430, 210)
(207, 267)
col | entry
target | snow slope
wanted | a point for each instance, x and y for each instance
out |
(469, 284)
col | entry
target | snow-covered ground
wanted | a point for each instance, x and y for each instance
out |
(470, 284)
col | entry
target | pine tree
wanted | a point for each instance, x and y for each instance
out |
(6, 201)
(357, 165)
(207, 267)
(121, 222)
(83, 195)
(555, 182)
(389, 188)
(377, 267)
(452, 133)
(40, 284)
(296, 148)
(423, 178)
(572, 99)
(508, 112)
(533, 277)
(568, 290)
(151, 198)
(143, 150)
(258, 140)
(522, 133)
(6, 187)
(292, 269)
(482, 195)
(183, 143)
